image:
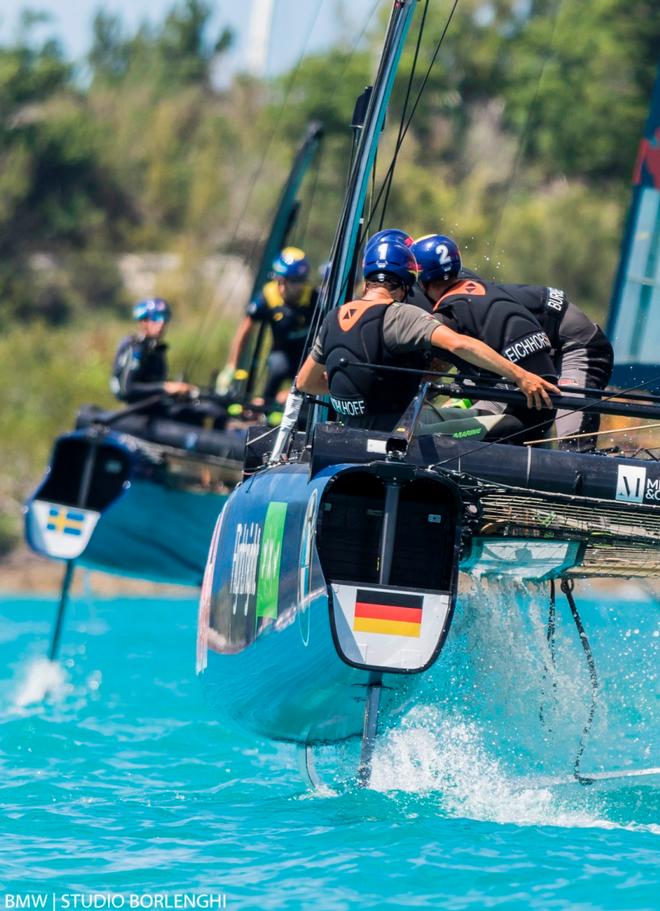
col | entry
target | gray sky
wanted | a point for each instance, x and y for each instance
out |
(293, 18)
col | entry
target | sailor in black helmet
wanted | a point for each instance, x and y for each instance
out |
(381, 329)
(581, 352)
(140, 365)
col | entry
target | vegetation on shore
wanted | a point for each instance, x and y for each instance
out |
(522, 147)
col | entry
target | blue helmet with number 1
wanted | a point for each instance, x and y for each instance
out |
(390, 260)
(396, 235)
(438, 258)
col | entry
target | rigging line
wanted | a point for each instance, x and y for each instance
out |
(550, 640)
(343, 289)
(427, 75)
(466, 388)
(567, 586)
(594, 433)
(253, 183)
(301, 234)
(522, 142)
(543, 423)
(413, 71)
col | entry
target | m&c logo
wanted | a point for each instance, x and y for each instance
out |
(630, 484)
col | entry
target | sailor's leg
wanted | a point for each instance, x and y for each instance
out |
(589, 367)
(470, 424)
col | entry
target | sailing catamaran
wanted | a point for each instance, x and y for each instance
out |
(138, 495)
(333, 570)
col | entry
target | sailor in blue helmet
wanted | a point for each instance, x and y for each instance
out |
(286, 304)
(581, 352)
(140, 365)
(380, 329)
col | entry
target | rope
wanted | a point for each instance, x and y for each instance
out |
(550, 639)
(594, 433)
(567, 586)
(522, 143)
(399, 138)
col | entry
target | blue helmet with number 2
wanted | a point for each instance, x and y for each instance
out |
(438, 258)
(153, 308)
(390, 260)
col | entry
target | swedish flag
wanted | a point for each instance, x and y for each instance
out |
(65, 521)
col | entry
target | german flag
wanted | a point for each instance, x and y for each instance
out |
(390, 613)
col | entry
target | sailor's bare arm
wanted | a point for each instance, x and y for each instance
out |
(534, 387)
(312, 378)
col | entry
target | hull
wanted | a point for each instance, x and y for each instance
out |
(293, 686)
(297, 550)
(276, 650)
(112, 503)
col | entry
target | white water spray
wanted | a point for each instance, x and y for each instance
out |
(43, 678)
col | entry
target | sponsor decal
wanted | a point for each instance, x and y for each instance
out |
(388, 613)
(467, 287)
(528, 344)
(205, 597)
(351, 313)
(652, 490)
(630, 483)
(350, 408)
(269, 560)
(305, 565)
(556, 300)
(243, 583)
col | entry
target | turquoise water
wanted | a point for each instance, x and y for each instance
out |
(121, 781)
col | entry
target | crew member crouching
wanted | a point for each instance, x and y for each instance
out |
(380, 329)
(485, 311)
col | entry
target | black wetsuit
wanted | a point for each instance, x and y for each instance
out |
(489, 313)
(139, 369)
(289, 324)
(581, 351)
(139, 372)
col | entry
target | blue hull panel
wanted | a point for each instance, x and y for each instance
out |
(155, 533)
(292, 685)
(112, 506)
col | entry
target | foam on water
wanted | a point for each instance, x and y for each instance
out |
(40, 679)
(447, 756)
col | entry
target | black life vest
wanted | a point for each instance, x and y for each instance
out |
(547, 305)
(488, 312)
(289, 322)
(354, 336)
(138, 363)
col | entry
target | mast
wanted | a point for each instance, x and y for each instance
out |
(634, 317)
(336, 285)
